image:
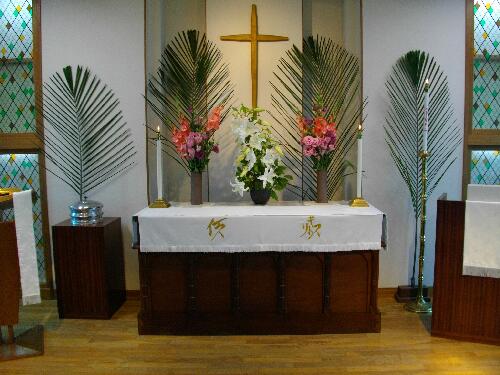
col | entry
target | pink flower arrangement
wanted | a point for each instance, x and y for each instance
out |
(193, 141)
(319, 136)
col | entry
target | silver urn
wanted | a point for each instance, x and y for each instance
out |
(85, 212)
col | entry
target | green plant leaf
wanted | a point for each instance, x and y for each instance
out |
(405, 121)
(191, 80)
(320, 69)
(85, 135)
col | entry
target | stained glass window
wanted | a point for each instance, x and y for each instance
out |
(485, 167)
(17, 112)
(22, 171)
(486, 65)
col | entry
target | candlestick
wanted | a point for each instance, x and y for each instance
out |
(420, 305)
(359, 201)
(426, 115)
(159, 165)
(159, 202)
(359, 174)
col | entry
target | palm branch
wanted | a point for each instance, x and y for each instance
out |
(190, 81)
(405, 122)
(84, 135)
(321, 68)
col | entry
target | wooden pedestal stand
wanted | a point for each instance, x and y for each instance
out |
(29, 343)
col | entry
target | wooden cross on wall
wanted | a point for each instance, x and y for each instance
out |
(254, 38)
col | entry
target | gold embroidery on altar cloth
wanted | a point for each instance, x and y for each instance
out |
(215, 227)
(310, 228)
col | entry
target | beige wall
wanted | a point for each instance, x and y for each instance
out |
(337, 19)
(323, 17)
(392, 28)
(274, 17)
(166, 18)
(108, 37)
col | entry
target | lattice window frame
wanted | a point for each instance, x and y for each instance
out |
(25, 143)
(474, 138)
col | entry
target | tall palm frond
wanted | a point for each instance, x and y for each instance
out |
(84, 134)
(321, 69)
(405, 122)
(191, 80)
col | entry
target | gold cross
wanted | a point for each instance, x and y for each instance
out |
(310, 228)
(216, 227)
(254, 38)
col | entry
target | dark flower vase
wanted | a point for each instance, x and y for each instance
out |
(196, 188)
(321, 187)
(260, 196)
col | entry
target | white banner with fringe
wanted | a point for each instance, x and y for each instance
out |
(284, 226)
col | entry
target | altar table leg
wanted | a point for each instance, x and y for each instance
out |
(282, 284)
(326, 282)
(192, 284)
(235, 283)
(10, 335)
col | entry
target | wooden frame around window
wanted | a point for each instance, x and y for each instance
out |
(474, 139)
(29, 143)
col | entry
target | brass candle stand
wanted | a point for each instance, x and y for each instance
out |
(420, 305)
(159, 202)
(359, 202)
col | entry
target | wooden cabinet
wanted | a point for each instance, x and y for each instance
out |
(89, 265)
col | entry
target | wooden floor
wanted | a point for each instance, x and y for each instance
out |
(113, 347)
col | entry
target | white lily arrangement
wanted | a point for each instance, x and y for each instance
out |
(258, 164)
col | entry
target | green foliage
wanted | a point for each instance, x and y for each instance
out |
(258, 164)
(191, 80)
(405, 122)
(85, 135)
(320, 69)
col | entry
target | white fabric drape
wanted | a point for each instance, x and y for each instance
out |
(23, 215)
(250, 228)
(482, 231)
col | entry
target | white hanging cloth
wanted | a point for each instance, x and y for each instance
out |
(482, 233)
(23, 215)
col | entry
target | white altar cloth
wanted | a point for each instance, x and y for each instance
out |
(286, 226)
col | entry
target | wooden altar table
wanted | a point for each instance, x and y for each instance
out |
(295, 269)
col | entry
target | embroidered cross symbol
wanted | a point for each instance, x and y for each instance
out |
(310, 228)
(216, 227)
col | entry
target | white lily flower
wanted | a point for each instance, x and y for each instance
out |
(267, 177)
(255, 141)
(251, 159)
(238, 187)
(270, 157)
(242, 128)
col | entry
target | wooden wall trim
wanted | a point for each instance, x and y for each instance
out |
(469, 52)
(19, 143)
(483, 138)
(38, 82)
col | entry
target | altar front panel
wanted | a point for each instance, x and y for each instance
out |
(259, 293)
